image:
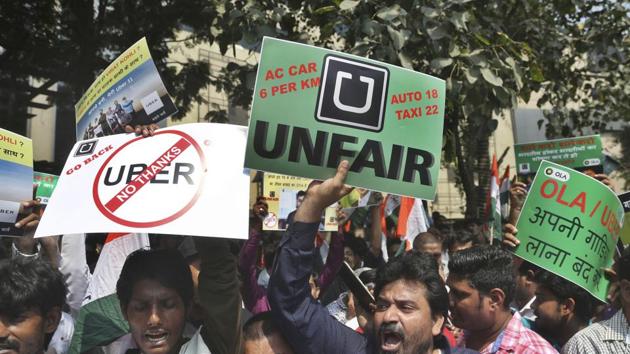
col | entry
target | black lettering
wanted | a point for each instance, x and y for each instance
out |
(301, 140)
(411, 166)
(160, 181)
(260, 140)
(395, 162)
(190, 168)
(370, 149)
(134, 170)
(337, 150)
(107, 182)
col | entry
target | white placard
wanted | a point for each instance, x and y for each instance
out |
(187, 180)
(151, 102)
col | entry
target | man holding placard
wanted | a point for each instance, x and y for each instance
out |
(570, 225)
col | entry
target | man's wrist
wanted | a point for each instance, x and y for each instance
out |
(310, 211)
(33, 252)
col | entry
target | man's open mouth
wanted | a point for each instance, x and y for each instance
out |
(391, 341)
(156, 337)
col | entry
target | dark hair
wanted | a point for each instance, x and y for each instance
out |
(358, 246)
(485, 267)
(425, 238)
(527, 266)
(623, 265)
(260, 326)
(393, 241)
(300, 194)
(368, 276)
(419, 267)
(165, 266)
(462, 237)
(28, 285)
(564, 289)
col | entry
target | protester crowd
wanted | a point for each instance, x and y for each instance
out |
(450, 291)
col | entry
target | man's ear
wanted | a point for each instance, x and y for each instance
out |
(567, 306)
(51, 319)
(497, 298)
(438, 323)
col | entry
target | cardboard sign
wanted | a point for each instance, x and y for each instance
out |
(46, 184)
(315, 107)
(187, 180)
(581, 153)
(569, 225)
(129, 91)
(282, 196)
(16, 179)
(625, 231)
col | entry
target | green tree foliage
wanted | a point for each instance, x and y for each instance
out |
(491, 54)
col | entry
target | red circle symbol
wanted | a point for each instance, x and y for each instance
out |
(108, 211)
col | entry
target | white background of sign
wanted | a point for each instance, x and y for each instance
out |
(222, 208)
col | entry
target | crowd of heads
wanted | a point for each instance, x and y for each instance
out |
(447, 280)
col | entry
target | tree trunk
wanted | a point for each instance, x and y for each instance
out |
(471, 152)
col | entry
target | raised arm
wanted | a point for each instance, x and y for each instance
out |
(333, 261)
(305, 323)
(219, 295)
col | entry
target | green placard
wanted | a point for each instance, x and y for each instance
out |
(569, 225)
(45, 185)
(625, 231)
(314, 107)
(580, 153)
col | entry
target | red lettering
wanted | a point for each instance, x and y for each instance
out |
(543, 188)
(272, 75)
(559, 199)
(580, 201)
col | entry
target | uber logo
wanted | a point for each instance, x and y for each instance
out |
(352, 93)
(87, 148)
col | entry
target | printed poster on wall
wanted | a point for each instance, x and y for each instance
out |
(283, 195)
(581, 153)
(569, 225)
(316, 107)
(128, 92)
(16, 179)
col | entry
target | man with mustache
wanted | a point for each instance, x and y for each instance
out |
(32, 293)
(411, 297)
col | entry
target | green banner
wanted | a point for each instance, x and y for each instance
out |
(45, 185)
(581, 153)
(625, 230)
(569, 225)
(314, 107)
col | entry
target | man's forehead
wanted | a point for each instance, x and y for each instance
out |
(458, 282)
(403, 289)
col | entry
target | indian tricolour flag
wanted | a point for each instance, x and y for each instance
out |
(412, 219)
(100, 320)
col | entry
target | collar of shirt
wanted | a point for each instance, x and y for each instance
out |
(617, 328)
(509, 336)
(527, 310)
